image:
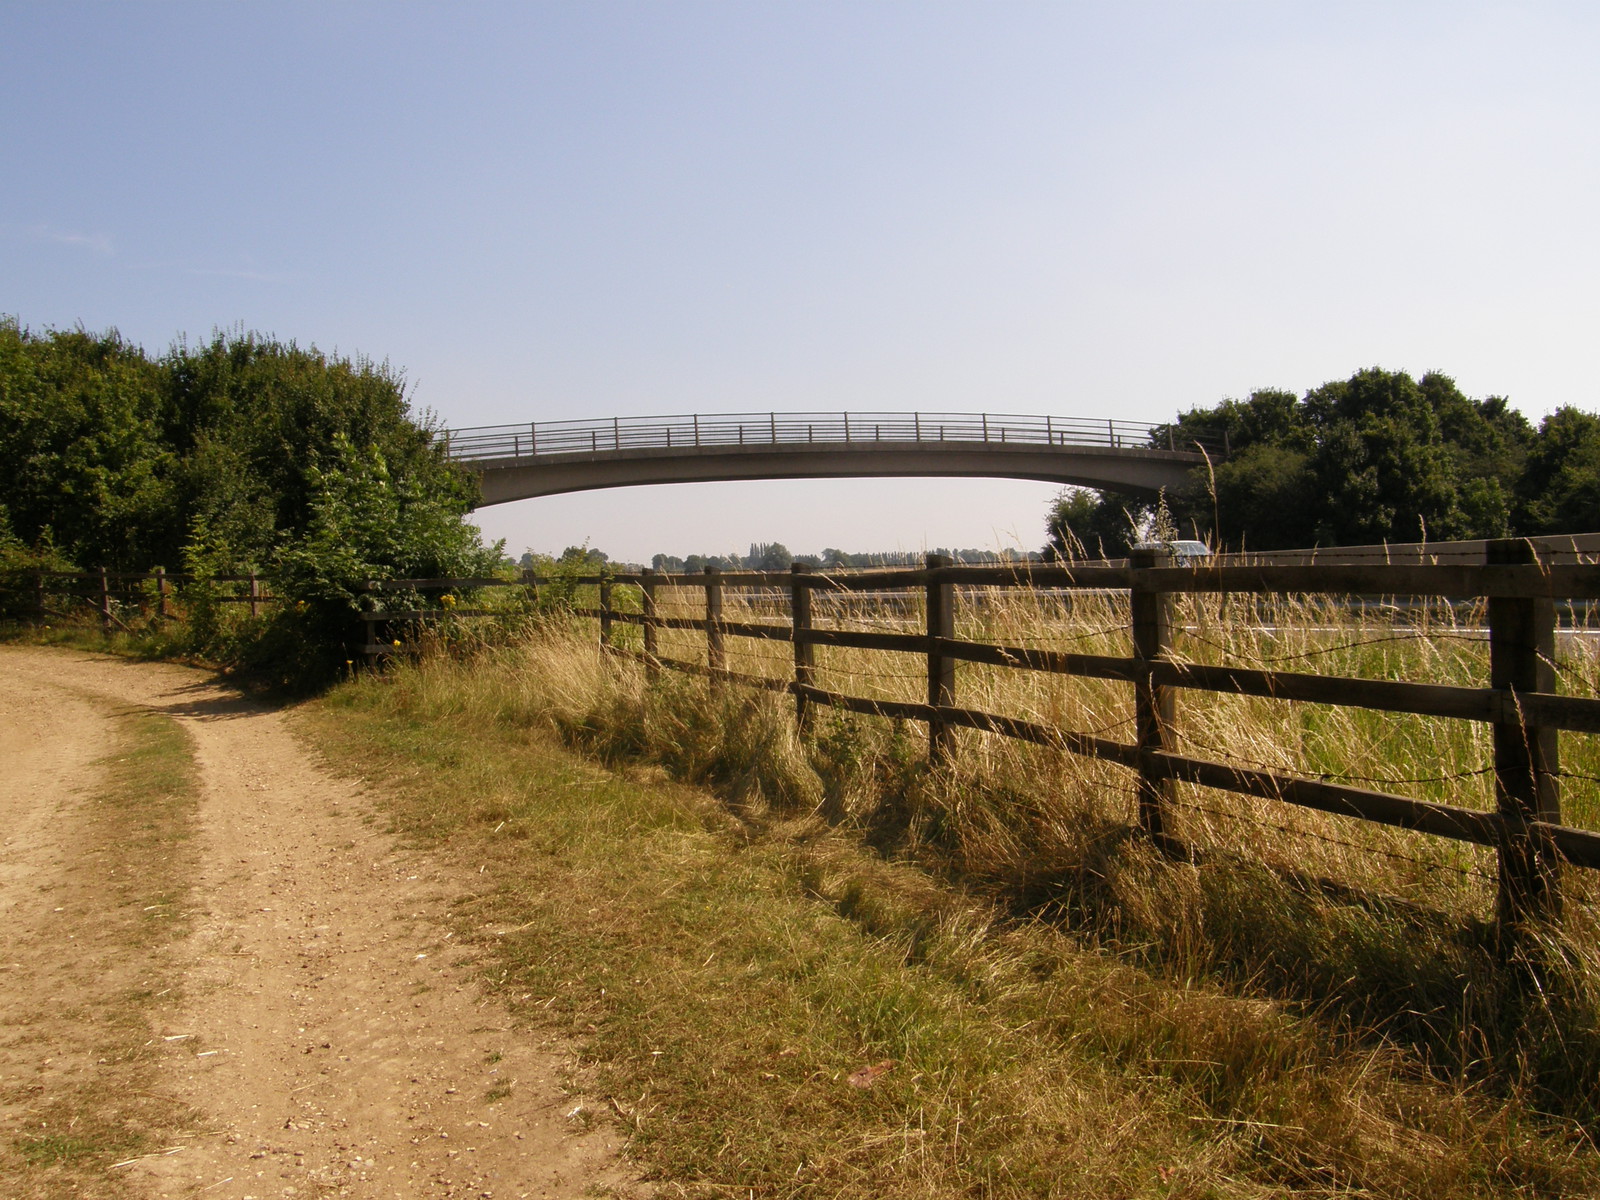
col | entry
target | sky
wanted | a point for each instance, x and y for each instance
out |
(548, 211)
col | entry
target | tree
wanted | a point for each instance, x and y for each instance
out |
(1379, 456)
(768, 556)
(83, 463)
(1083, 524)
(1267, 493)
(1559, 491)
(253, 418)
(244, 454)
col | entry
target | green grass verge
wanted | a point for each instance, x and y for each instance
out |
(732, 978)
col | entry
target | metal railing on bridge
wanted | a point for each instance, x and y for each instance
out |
(537, 439)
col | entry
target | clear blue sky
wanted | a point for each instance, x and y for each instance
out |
(561, 210)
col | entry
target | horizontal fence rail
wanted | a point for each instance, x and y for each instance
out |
(153, 593)
(619, 434)
(1518, 700)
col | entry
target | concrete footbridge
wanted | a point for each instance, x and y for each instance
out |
(547, 458)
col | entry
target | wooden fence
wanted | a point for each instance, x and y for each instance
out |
(1519, 699)
(147, 593)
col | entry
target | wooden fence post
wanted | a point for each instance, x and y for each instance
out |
(605, 612)
(1522, 648)
(647, 589)
(531, 582)
(105, 603)
(161, 593)
(369, 615)
(941, 610)
(804, 651)
(1154, 704)
(255, 594)
(716, 659)
(38, 594)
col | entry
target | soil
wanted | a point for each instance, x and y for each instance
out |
(328, 1038)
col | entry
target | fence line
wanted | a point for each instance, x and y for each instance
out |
(1519, 702)
(108, 590)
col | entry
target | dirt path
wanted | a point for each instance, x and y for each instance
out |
(329, 1033)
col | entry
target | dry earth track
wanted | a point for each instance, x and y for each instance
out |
(328, 1033)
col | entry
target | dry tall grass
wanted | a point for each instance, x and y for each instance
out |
(1383, 931)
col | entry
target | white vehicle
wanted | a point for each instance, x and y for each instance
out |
(1189, 553)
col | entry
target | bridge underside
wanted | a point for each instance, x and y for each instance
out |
(1138, 472)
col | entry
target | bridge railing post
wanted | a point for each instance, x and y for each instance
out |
(941, 617)
(716, 658)
(105, 602)
(804, 650)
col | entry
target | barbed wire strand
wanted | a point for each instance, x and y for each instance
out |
(1334, 649)
(1333, 841)
(1327, 776)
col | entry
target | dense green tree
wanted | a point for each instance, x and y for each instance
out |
(1377, 457)
(125, 461)
(1559, 491)
(255, 418)
(83, 463)
(1266, 490)
(1083, 525)
(1384, 467)
(246, 453)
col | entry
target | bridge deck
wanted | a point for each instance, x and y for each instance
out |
(550, 457)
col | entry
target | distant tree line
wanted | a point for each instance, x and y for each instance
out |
(775, 556)
(763, 556)
(1377, 457)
